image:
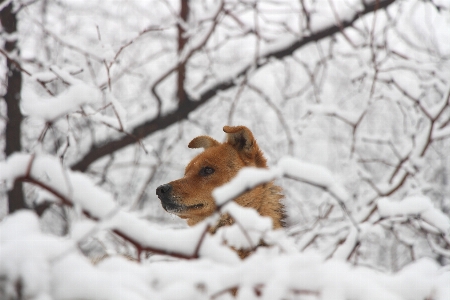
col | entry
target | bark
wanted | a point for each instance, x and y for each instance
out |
(16, 199)
(182, 40)
(187, 106)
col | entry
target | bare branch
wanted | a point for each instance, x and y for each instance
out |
(161, 122)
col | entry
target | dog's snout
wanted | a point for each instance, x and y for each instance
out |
(163, 190)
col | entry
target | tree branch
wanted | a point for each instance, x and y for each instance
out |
(185, 107)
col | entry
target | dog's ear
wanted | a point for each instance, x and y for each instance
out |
(241, 138)
(203, 142)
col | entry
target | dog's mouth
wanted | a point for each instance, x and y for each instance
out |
(178, 208)
(196, 206)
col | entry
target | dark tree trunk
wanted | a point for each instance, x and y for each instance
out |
(184, 13)
(8, 19)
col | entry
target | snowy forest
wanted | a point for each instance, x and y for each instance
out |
(349, 100)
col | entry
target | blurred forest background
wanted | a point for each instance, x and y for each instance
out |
(361, 87)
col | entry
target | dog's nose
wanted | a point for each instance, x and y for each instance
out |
(163, 190)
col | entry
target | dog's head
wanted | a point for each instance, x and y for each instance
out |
(190, 197)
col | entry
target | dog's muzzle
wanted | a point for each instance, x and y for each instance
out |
(164, 193)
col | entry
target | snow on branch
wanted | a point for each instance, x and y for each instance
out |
(245, 180)
(208, 93)
(416, 206)
(49, 267)
(76, 189)
(351, 118)
(35, 263)
(51, 108)
(288, 167)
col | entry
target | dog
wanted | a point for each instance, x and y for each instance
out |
(190, 197)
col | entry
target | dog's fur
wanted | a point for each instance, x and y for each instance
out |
(190, 197)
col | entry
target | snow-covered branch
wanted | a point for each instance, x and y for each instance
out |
(77, 190)
(35, 269)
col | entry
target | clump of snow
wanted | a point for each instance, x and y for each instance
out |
(79, 190)
(213, 249)
(312, 174)
(246, 179)
(24, 255)
(47, 270)
(118, 121)
(249, 178)
(45, 76)
(415, 205)
(49, 108)
(16, 166)
(82, 228)
(344, 250)
(248, 217)
(249, 228)
(48, 267)
(74, 277)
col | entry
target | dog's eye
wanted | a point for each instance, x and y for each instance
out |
(205, 171)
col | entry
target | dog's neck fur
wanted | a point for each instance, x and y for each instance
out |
(270, 206)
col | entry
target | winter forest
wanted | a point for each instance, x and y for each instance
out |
(349, 100)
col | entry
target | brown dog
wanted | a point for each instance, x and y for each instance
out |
(190, 197)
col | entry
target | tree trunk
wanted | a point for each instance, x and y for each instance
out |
(8, 19)
(181, 76)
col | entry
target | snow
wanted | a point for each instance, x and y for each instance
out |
(51, 267)
(249, 178)
(435, 110)
(248, 217)
(74, 277)
(344, 250)
(313, 174)
(118, 109)
(440, 133)
(412, 206)
(350, 117)
(70, 100)
(104, 51)
(118, 121)
(15, 167)
(349, 80)
(27, 252)
(48, 271)
(5, 4)
(99, 204)
(334, 13)
(45, 76)
(82, 229)
(104, 119)
(274, 47)
(182, 241)
(214, 249)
